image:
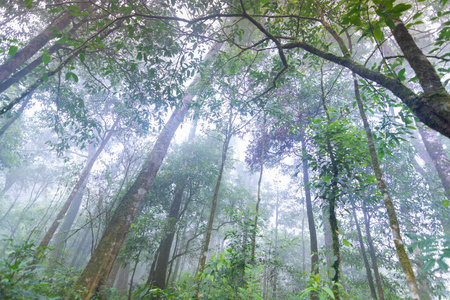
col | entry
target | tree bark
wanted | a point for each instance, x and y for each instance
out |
(393, 220)
(332, 202)
(112, 276)
(429, 108)
(275, 251)
(309, 211)
(84, 174)
(212, 213)
(122, 280)
(373, 256)
(159, 279)
(38, 42)
(373, 294)
(258, 201)
(104, 256)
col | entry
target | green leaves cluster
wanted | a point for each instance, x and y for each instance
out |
(348, 147)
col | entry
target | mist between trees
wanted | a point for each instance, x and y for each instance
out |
(259, 149)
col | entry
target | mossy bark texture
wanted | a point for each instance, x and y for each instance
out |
(388, 203)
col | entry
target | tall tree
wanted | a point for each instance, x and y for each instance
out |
(99, 266)
(205, 247)
(39, 41)
(84, 174)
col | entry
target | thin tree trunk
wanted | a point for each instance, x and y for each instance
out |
(9, 181)
(11, 206)
(104, 256)
(393, 220)
(130, 291)
(38, 42)
(328, 241)
(255, 226)
(61, 237)
(35, 63)
(303, 241)
(153, 267)
(84, 174)
(15, 117)
(373, 294)
(373, 256)
(30, 90)
(309, 211)
(174, 253)
(275, 252)
(332, 202)
(33, 199)
(205, 246)
(438, 155)
(82, 244)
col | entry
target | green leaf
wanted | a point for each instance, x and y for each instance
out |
(446, 203)
(328, 291)
(74, 10)
(377, 33)
(45, 77)
(82, 56)
(390, 23)
(73, 75)
(347, 243)
(28, 3)
(12, 50)
(401, 75)
(46, 58)
(401, 8)
(417, 15)
(428, 265)
(442, 265)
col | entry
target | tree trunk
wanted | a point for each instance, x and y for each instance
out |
(332, 202)
(205, 246)
(159, 279)
(61, 237)
(373, 294)
(303, 241)
(393, 220)
(130, 290)
(431, 107)
(327, 240)
(82, 244)
(112, 276)
(122, 280)
(275, 252)
(373, 256)
(83, 176)
(309, 211)
(258, 201)
(38, 42)
(30, 90)
(11, 206)
(104, 256)
(35, 63)
(15, 117)
(438, 155)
